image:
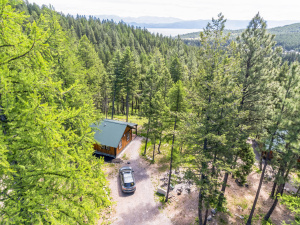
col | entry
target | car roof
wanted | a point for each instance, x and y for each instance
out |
(128, 178)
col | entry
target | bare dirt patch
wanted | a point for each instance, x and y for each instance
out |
(139, 207)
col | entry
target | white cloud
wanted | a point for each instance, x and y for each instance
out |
(187, 9)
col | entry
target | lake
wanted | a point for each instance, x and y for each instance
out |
(172, 32)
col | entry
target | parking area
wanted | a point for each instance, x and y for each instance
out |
(139, 207)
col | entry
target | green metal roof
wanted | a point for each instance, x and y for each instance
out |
(110, 132)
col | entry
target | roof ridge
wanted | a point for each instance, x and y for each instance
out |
(117, 121)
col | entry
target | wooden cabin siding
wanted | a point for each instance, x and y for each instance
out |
(124, 139)
(111, 150)
(116, 151)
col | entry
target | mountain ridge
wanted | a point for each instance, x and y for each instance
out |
(176, 23)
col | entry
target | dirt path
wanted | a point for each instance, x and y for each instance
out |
(139, 208)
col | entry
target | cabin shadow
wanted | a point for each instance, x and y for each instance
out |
(106, 159)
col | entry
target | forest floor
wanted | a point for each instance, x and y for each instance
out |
(183, 209)
(146, 207)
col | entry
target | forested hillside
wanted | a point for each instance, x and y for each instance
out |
(60, 74)
(288, 37)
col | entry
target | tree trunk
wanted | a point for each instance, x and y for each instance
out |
(136, 104)
(158, 149)
(127, 105)
(200, 200)
(221, 196)
(170, 173)
(154, 149)
(279, 191)
(273, 189)
(205, 218)
(147, 137)
(260, 161)
(132, 105)
(113, 103)
(269, 213)
(213, 171)
(298, 191)
(177, 108)
(249, 221)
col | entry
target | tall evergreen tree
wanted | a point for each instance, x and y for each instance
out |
(258, 68)
(177, 104)
(52, 175)
(176, 69)
(129, 76)
(150, 87)
(212, 130)
(284, 126)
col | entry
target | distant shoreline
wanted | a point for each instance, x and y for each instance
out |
(173, 32)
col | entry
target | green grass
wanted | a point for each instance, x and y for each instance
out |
(160, 197)
(256, 169)
(162, 159)
(140, 121)
(242, 202)
(125, 157)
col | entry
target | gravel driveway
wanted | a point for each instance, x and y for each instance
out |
(140, 207)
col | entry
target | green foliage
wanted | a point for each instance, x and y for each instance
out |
(293, 204)
(176, 70)
(49, 174)
(244, 168)
(60, 73)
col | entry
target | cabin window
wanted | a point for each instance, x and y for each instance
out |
(105, 147)
(120, 144)
(128, 136)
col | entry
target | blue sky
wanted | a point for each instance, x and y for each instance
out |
(187, 9)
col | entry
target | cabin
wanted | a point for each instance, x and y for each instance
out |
(113, 136)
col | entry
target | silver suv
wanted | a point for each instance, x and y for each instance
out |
(127, 179)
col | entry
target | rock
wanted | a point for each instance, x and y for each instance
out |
(213, 211)
(179, 191)
(128, 162)
(238, 183)
(241, 217)
(161, 191)
(239, 207)
(209, 218)
(117, 160)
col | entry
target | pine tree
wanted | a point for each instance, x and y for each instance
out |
(94, 74)
(177, 104)
(176, 69)
(284, 125)
(212, 130)
(52, 176)
(150, 87)
(129, 76)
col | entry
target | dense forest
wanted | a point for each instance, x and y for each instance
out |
(287, 37)
(59, 74)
